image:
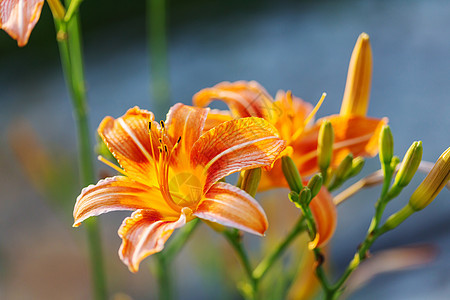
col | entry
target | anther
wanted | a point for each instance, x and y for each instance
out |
(150, 126)
(179, 140)
(162, 124)
(165, 149)
(160, 141)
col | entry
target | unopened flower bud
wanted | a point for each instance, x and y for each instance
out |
(394, 162)
(409, 165)
(325, 145)
(345, 167)
(250, 181)
(291, 174)
(315, 184)
(357, 165)
(305, 196)
(433, 183)
(359, 77)
(386, 145)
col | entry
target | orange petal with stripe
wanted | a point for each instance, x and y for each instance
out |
(145, 233)
(244, 98)
(18, 18)
(325, 214)
(128, 140)
(234, 146)
(216, 117)
(230, 206)
(186, 122)
(355, 134)
(117, 193)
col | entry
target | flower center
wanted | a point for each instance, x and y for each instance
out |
(179, 189)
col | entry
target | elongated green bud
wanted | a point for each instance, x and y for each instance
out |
(325, 145)
(397, 218)
(305, 196)
(291, 174)
(357, 165)
(386, 145)
(394, 162)
(433, 183)
(345, 167)
(315, 184)
(250, 181)
(409, 165)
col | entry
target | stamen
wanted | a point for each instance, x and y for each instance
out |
(310, 116)
(110, 164)
(316, 108)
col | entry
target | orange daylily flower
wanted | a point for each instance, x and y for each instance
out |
(354, 132)
(172, 172)
(18, 18)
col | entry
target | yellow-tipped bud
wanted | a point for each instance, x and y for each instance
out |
(305, 196)
(345, 167)
(386, 143)
(250, 181)
(410, 164)
(325, 145)
(359, 77)
(315, 184)
(433, 183)
(357, 165)
(291, 174)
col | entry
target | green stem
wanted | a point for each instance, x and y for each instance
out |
(180, 239)
(233, 237)
(164, 280)
(264, 266)
(69, 42)
(72, 10)
(159, 66)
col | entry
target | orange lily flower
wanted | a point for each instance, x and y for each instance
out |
(354, 132)
(171, 175)
(18, 18)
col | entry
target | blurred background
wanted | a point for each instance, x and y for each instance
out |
(304, 46)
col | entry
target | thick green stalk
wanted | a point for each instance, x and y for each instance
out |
(69, 42)
(157, 43)
(165, 289)
(265, 265)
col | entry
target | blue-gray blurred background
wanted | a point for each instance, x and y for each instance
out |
(304, 46)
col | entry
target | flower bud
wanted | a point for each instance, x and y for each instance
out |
(314, 184)
(250, 181)
(345, 167)
(409, 165)
(357, 88)
(397, 218)
(357, 165)
(325, 145)
(305, 196)
(433, 183)
(291, 174)
(386, 145)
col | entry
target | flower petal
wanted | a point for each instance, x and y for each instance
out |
(291, 114)
(325, 215)
(18, 18)
(234, 146)
(245, 99)
(117, 193)
(128, 140)
(216, 117)
(145, 233)
(186, 122)
(230, 206)
(355, 134)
